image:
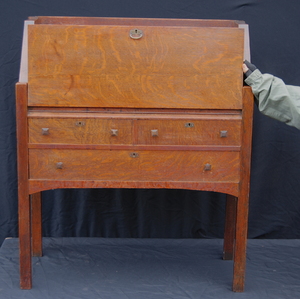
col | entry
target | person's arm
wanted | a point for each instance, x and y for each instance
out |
(275, 98)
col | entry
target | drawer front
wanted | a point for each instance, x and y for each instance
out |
(121, 165)
(80, 131)
(189, 132)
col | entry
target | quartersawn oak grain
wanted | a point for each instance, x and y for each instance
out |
(101, 66)
(97, 128)
(108, 165)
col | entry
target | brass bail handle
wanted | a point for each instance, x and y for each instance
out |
(136, 33)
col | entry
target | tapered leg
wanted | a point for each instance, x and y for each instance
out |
(36, 224)
(230, 221)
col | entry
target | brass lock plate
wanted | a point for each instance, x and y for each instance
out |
(136, 33)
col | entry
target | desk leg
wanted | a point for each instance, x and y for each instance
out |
(229, 234)
(36, 224)
(239, 267)
(23, 193)
(25, 241)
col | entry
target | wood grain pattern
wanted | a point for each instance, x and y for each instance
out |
(37, 185)
(101, 66)
(96, 128)
(242, 208)
(24, 207)
(189, 132)
(80, 131)
(119, 165)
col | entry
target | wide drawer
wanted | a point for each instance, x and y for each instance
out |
(122, 165)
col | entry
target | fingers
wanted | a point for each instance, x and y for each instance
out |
(245, 68)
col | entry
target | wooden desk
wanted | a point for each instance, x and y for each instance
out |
(133, 103)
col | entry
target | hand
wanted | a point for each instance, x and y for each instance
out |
(245, 68)
(248, 68)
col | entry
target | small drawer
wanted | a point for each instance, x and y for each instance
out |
(79, 131)
(123, 165)
(189, 132)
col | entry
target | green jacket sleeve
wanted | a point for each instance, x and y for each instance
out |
(275, 98)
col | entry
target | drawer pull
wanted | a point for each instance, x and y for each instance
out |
(59, 165)
(207, 167)
(134, 155)
(189, 125)
(223, 134)
(114, 132)
(80, 123)
(154, 133)
(45, 131)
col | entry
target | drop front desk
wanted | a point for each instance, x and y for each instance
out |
(133, 103)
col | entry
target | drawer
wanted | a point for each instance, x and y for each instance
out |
(189, 132)
(80, 131)
(123, 165)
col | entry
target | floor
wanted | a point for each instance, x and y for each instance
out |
(150, 268)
